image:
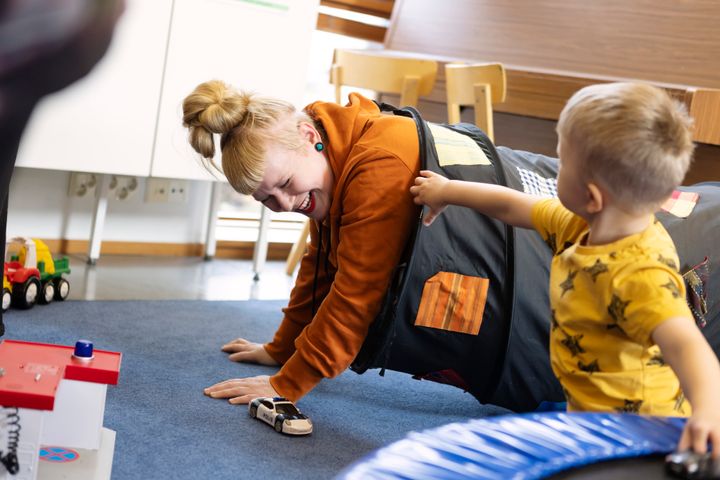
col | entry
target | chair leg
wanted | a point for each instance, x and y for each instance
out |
(298, 249)
(483, 109)
(261, 245)
(410, 91)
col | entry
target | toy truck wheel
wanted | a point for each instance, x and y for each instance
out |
(26, 295)
(6, 299)
(62, 289)
(253, 411)
(278, 426)
(47, 293)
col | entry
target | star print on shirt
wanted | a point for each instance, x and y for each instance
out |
(656, 359)
(589, 367)
(630, 406)
(565, 246)
(597, 268)
(616, 309)
(674, 290)
(553, 321)
(680, 403)
(568, 284)
(551, 241)
(572, 342)
(667, 261)
(610, 326)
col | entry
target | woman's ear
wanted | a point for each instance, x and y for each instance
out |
(309, 133)
(595, 198)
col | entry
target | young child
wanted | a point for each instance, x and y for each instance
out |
(622, 334)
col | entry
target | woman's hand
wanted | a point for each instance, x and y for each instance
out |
(242, 390)
(702, 427)
(428, 190)
(241, 350)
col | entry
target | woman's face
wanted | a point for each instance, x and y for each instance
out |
(296, 181)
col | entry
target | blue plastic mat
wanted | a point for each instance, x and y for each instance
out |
(525, 446)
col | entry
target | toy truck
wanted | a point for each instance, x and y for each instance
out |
(32, 275)
(7, 290)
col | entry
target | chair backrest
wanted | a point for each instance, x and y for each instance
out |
(383, 72)
(479, 85)
(705, 110)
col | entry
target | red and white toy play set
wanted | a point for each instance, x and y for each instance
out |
(53, 404)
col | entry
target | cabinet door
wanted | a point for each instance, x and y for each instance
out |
(262, 46)
(105, 122)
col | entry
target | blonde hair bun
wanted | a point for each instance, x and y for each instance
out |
(213, 107)
(247, 124)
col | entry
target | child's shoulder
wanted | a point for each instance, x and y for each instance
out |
(551, 210)
(652, 260)
(552, 219)
(660, 246)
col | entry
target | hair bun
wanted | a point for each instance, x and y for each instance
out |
(213, 107)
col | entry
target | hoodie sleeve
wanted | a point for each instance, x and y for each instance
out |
(378, 213)
(298, 313)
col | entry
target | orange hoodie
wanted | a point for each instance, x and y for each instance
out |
(374, 158)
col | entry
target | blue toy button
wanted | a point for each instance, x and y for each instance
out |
(83, 349)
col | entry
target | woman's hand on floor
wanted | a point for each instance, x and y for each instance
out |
(241, 350)
(242, 390)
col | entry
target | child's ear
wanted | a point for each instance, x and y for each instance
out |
(595, 198)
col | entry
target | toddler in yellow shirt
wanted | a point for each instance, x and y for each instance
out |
(622, 336)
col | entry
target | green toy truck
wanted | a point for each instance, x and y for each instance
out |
(33, 276)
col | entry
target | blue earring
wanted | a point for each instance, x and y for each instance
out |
(319, 146)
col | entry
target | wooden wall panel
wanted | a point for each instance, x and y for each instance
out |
(552, 48)
(668, 41)
(538, 135)
(350, 28)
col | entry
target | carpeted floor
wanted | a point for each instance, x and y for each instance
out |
(166, 428)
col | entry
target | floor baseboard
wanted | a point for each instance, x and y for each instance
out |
(224, 249)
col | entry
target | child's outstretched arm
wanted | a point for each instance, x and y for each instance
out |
(505, 204)
(685, 349)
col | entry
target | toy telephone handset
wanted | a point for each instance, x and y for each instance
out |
(691, 465)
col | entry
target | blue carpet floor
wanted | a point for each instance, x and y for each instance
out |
(166, 427)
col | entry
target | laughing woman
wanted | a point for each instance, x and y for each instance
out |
(349, 169)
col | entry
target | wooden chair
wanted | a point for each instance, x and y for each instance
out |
(298, 249)
(382, 72)
(705, 109)
(479, 85)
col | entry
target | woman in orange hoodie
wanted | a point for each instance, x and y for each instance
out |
(349, 169)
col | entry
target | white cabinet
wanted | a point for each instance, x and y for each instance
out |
(125, 116)
(263, 46)
(105, 122)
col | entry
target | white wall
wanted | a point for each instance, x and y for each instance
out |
(40, 206)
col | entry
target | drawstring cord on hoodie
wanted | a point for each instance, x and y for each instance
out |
(317, 265)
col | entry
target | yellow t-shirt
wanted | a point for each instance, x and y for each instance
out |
(606, 300)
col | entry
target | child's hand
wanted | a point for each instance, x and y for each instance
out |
(428, 190)
(702, 427)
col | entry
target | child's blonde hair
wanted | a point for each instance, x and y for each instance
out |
(632, 138)
(246, 124)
